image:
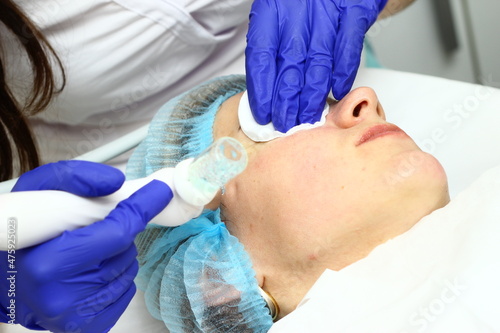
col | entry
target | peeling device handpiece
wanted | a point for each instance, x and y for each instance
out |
(42, 215)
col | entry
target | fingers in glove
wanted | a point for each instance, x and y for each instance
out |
(295, 38)
(108, 317)
(117, 265)
(108, 269)
(115, 234)
(101, 310)
(260, 58)
(95, 243)
(78, 177)
(319, 66)
(353, 25)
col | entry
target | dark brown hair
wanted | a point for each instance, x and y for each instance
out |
(15, 133)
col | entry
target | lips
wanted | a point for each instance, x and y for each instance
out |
(378, 131)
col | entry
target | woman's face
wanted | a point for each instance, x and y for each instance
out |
(329, 195)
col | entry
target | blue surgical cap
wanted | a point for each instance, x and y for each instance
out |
(196, 277)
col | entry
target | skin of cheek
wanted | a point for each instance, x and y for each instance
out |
(287, 190)
(294, 188)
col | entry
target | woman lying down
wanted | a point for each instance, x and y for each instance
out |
(346, 227)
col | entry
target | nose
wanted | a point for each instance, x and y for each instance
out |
(356, 107)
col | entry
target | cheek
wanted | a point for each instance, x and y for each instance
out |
(302, 183)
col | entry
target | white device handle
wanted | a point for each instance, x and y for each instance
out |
(32, 217)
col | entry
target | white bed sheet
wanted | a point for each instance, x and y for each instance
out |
(458, 122)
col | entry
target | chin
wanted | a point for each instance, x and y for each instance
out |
(419, 172)
(416, 185)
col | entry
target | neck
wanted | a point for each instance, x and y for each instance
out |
(289, 282)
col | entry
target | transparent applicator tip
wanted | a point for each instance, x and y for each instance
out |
(198, 181)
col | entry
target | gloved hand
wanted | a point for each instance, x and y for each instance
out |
(81, 281)
(297, 50)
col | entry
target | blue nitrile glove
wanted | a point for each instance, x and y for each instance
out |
(81, 281)
(297, 50)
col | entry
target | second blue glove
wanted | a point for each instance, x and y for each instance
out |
(81, 281)
(298, 50)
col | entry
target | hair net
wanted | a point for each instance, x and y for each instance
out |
(196, 277)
